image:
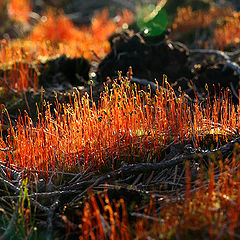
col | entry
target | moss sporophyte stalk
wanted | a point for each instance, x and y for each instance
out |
(127, 121)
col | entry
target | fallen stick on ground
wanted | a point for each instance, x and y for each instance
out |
(221, 54)
(11, 226)
(51, 212)
(147, 167)
(9, 186)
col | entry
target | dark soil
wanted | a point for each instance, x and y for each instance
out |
(151, 58)
(69, 72)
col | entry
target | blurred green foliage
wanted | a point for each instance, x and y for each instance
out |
(153, 26)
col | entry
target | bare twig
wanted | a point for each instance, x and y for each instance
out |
(15, 175)
(134, 214)
(11, 227)
(5, 149)
(9, 186)
(221, 54)
(50, 218)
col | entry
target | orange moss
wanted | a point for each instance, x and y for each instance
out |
(2, 5)
(105, 224)
(58, 28)
(19, 10)
(53, 36)
(120, 127)
(228, 31)
(124, 17)
(187, 19)
(210, 211)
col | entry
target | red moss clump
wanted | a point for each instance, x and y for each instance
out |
(228, 32)
(2, 5)
(187, 19)
(93, 220)
(19, 10)
(210, 211)
(58, 28)
(86, 39)
(53, 36)
(127, 123)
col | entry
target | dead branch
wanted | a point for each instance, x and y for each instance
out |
(165, 173)
(221, 54)
(50, 218)
(148, 167)
(11, 227)
(139, 215)
(15, 175)
(9, 186)
(47, 195)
